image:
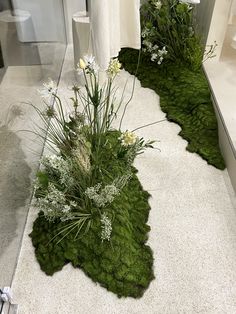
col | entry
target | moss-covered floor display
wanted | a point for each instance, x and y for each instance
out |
(124, 265)
(185, 98)
(93, 210)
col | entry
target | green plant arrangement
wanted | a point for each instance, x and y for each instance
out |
(93, 211)
(170, 64)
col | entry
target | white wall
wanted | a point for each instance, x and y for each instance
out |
(70, 8)
(219, 23)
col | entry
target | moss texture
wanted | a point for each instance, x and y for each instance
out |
(185, 98)
(124, 265)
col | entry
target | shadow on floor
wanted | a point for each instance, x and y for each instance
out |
(14, 181)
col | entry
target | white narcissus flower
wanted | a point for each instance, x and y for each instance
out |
(128, 138)
(89, 60)
(49, 89)
(91, 63)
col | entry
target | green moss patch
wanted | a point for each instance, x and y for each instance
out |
(185, 98)
(123, 265)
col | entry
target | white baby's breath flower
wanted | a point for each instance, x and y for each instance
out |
(102, 197)
(148, 44)
(162, 52)
(49, 89)
(128, 138)
(106, 227)
(155, 47)
(154, 57)
(66, 209)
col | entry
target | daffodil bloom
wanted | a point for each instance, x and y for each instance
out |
(128, 138)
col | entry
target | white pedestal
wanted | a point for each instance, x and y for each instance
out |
(21, 24)
(81, 36)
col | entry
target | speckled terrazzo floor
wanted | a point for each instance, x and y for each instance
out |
(193, 232)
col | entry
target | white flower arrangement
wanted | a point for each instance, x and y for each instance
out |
(54, 205)
(78, 140)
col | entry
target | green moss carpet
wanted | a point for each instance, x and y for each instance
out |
(123, 265)
(186, 100)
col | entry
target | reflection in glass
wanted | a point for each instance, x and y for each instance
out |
(33, 43)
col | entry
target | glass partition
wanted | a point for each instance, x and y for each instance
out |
(33, 43)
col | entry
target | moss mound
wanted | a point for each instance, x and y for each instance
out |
(185, 98)
(123, 265)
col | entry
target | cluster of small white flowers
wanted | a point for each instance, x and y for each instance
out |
(145, 32)
(102, 197)
(49, 89)
(157, 54)
(106, 227)
(61, 166)
(54, 204)
(160, 55)
(114, 67)
(128, 138)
